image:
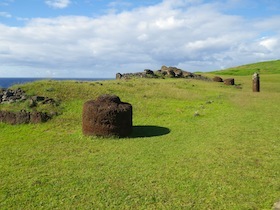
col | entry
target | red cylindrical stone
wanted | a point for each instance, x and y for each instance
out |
(107, 116)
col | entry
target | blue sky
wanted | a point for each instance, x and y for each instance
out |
(14, 12)
(99, 38)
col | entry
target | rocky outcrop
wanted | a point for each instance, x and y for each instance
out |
(168, 72)
(107, 116)
(10, 96)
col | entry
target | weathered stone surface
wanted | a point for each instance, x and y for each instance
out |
(256, 82)
(148, 72)
(38, 98)
(18, 95)
(187, 74)
(118, 76)
(39, 117)
(11, 96)
(8, 117)
(23, 117)
(217, 79)
(107, 116)
(229, 81)
(165, 71)
(169, 71)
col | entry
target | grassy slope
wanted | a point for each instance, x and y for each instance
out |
(227, 158)
(268, 67)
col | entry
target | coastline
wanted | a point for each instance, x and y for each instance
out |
(7, 82)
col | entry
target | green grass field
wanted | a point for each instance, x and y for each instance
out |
(267, 67)
(225, 158)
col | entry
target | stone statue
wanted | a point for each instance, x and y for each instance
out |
(256, 82)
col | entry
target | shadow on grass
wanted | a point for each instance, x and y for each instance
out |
(148, 131)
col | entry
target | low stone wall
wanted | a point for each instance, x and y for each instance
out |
(23, 117)
(168, 72)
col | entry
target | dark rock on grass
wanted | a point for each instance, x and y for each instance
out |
(164, 72)
(107, 116)
(9, 96)
(50, 101)
(23, 117)
(148, 72)
(39, 117)
(118, 76)
(38, 98)
(229, 81)
(32, 103)
(217, 79)
(8, 117)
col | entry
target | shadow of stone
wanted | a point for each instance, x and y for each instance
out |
(148, 131)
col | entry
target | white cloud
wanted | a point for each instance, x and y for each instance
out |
(58, 4)
(270, 43)
(5, 15)
(187, 34)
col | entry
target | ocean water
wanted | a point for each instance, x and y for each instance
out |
(8, 82)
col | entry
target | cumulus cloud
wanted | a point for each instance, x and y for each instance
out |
(270, 43)
(58, 4)
(187, 34)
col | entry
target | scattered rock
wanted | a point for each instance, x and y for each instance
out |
(196, 114)
(119, 76)
(39, 117)
(50, 89)
(209, 102)
(38, 98)
(165, 71)
(107, 116)
(217, 79)
(149, 72)
(17, 96)
(11, 96)
(229, 81)
(32, 103)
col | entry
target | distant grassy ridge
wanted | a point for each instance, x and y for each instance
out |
(268, 67)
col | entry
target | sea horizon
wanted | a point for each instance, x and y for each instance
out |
(6, 82)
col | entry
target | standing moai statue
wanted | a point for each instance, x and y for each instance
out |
(256, 82)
